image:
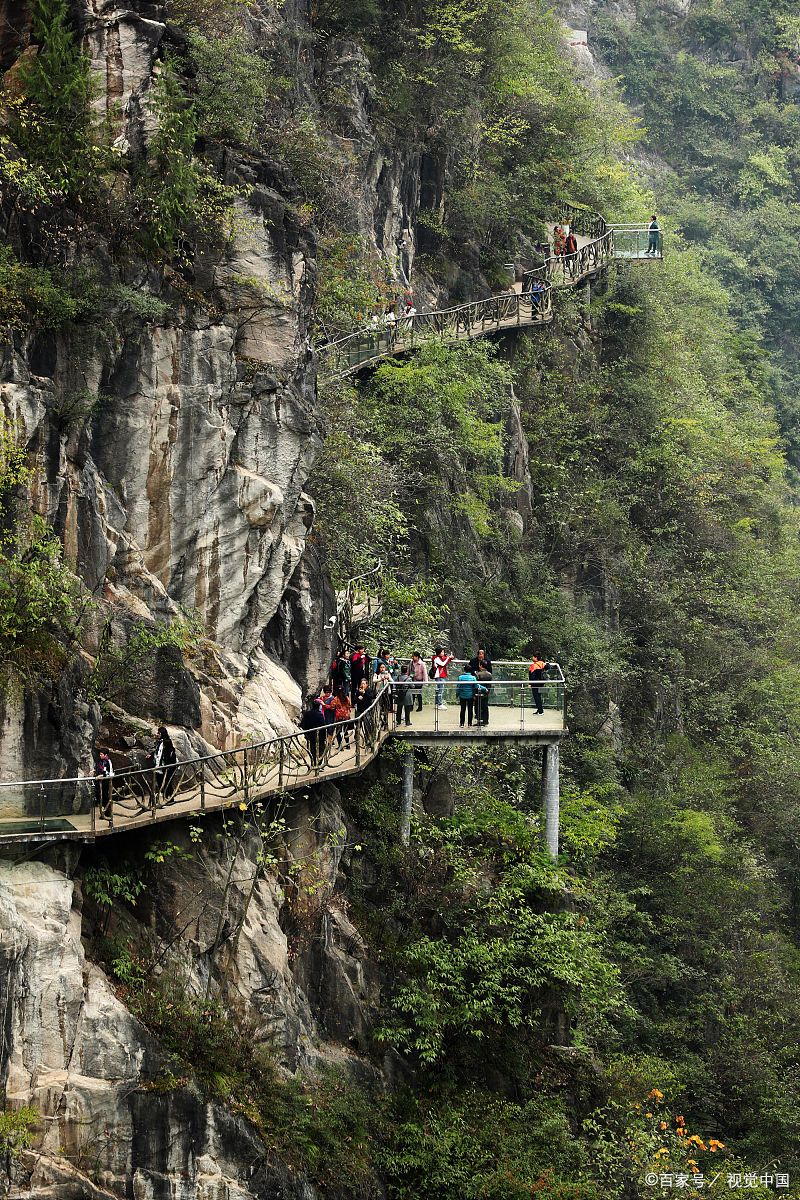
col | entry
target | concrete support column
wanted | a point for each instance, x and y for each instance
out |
(408, 793)
(551, 797)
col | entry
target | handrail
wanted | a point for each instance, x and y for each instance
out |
(345, 606)
(88, 806)
(365, 346)
(201, 759)
(462, 322)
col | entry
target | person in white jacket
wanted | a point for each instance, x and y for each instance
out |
(419, 673)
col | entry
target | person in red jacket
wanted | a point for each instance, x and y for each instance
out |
(441, 661)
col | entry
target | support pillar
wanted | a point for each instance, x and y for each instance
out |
(408, 794)
(551, 797)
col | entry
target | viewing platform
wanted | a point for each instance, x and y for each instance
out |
(84, 808)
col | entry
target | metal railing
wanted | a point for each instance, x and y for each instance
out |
(512, 706)
(359, 591)
(582, 220)
(637, 241)
(565, 270)
(461, 323)
(133, 797)
(533, 306)
(85, 806)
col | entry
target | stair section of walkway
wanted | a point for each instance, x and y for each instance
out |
(63, 809)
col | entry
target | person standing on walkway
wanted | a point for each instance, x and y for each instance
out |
(483, 675)
(164, 762)
(358, 669)
(465, 691)
(103, 774)
(559, 241)
(441, 661)
(419, 673)
(535, 295)
(381, 682)
(342, 672)
(342, 712)
(538, 677)
(480, 660)
(365, 697)
(570, 252)
(367, 711)
(313, 724)
(403, 695)
(654, 238)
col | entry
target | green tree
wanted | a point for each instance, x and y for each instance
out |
(55, 125)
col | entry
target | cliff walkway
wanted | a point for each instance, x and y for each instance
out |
(528, 303)
(44, 810)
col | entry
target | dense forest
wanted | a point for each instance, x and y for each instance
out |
(568, 1030)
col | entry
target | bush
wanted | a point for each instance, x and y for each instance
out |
(38, 596)
(233, 86)
(177, 198)
(54, 125)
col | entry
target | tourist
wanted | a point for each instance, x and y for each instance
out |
(325, 702)
(342, 711)
(103, 774)
(537, 291)
(465, 691)
(559, 241)
(571, 251)
(441, 661)
(654, 238)
(365, 698)
(481, 659)
(313, 723)
(381, 657)
(381, 682)
(403, 695)
(484, 677)
(419, 673)
(358, 668)
(341, 671)
(163, 760)
(537, 677)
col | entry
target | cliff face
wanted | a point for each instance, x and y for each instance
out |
(115, 1120)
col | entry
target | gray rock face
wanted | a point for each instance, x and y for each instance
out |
(69, 1046)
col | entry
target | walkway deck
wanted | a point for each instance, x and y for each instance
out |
(64, 809)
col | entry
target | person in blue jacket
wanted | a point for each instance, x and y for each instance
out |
(466, 687)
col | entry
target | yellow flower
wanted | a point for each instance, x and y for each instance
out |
(662, 1125)
(648, 1114)
(655, 1094)
(714, 1145)
(243, 807)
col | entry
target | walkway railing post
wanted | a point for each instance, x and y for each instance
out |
(245, 782)
(280, 764)
(202, 787)
(551, 797)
